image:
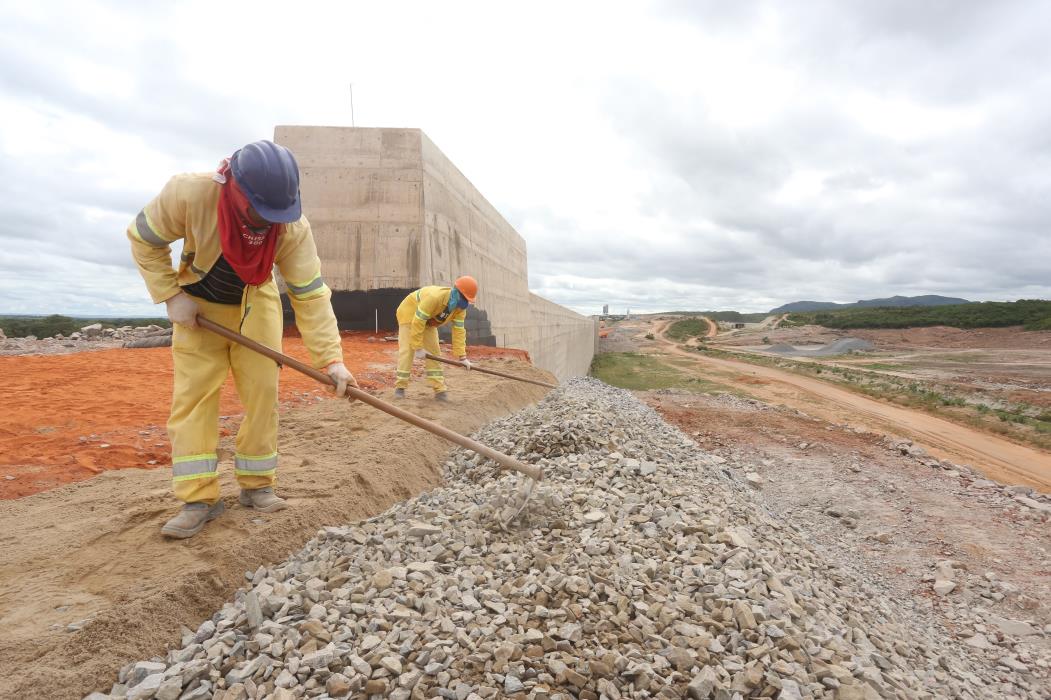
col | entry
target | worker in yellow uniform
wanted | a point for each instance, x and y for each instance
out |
(419, 316)
(235, 225)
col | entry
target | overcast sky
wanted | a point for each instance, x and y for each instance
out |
(654, 155)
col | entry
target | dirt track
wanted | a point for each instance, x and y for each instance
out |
(93, 550)
(999, 459)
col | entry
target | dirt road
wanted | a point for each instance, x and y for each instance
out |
(999, 459)
(713, 328)
(91, 554)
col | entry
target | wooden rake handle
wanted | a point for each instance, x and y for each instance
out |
(506, 462)
(457, 363)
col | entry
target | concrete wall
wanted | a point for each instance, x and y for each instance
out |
(391, 213)
(363, 195)
(562, 341)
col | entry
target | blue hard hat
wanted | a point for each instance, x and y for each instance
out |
(269, 176)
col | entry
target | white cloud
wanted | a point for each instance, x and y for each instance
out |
(654, 155)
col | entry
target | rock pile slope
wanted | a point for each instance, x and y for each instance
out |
(641, 570)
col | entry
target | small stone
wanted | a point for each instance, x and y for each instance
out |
(702, 685)
(392, 664)
(978, 641)
(744, 615)
(512, 685)
(1014, 664)
(235, 692)
(143, 669)
(420, 530)
(170, 689)
(338, 685)
(944, 587)
(789, 690)
(1012, 628)
(754, 480)
(147, 688)
(377, 686)
(570, 632)
(382, 580)
(252, 610)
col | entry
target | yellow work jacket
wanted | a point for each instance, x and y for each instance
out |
(187, 209)
(429, 306)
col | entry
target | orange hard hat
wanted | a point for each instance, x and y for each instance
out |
(468, 286)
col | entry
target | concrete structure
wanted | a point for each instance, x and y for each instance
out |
(391, 213)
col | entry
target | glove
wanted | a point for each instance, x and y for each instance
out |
(466, 363)
(182, 310)
(339, 372)
(419, 354)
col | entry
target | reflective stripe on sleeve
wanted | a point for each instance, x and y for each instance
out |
(194, 467)
(307, 291)
(422, 316)
(255, 466)
(145, 231)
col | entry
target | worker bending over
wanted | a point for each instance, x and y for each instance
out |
(235, 225)
(419, 316)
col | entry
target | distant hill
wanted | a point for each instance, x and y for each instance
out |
(1032, 314)
(895, 301)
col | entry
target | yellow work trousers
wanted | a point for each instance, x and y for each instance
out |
(435, 375)
(203, 360)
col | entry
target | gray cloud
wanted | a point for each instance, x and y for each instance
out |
(902, 148)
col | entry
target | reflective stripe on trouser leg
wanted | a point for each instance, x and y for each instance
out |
(196, 477)
(201, 361)
(435, 375)
(263, 466)
(256, 379)
(404, 372)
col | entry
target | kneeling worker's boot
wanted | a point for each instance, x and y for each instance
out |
(399, 393)
(264, 500)
(442, 396)
(191, 519)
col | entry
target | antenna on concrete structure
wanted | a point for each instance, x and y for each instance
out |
(352, 104)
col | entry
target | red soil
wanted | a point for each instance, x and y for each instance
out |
(65, 418)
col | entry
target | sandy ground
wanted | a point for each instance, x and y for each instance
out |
(999, 459)
(69, 417)
(91, 553)
(925, 515)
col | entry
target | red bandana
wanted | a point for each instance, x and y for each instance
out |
(250, 252)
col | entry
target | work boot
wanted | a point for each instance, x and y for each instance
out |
(191, 519)
(263, 499)
(442, 396)
(399, 393)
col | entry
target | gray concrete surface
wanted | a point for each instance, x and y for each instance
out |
(390, 213)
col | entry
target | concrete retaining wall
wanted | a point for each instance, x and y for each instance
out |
(391, 213)
(560, 342)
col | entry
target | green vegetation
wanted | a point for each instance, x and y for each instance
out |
(47, 326)
(885, 366)
(1034, 314)
(735, 316)
(630, 370)
(687, 328)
